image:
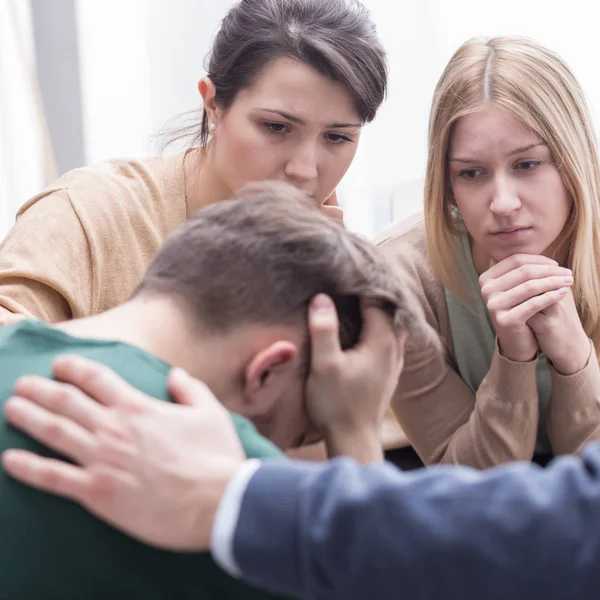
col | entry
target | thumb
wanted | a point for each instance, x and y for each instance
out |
(323, 326)
(186, 390)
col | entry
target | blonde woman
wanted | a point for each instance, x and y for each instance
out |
(506, 263)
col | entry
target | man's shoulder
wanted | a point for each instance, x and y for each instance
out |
(30, 346)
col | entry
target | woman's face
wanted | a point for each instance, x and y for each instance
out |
(293, 124)
(506, 186)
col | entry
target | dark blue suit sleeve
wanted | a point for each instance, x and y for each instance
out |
(341, 531)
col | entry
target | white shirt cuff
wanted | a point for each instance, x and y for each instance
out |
(226, 518)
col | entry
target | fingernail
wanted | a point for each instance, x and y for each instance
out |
(322, 302)
(562, 291)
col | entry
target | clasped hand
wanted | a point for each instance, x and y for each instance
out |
(531, 304)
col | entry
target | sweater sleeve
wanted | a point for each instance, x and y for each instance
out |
(81, 247)
(574, 408)
(443, 419)
(45, 261)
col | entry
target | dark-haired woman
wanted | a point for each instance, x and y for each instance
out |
(290, 84)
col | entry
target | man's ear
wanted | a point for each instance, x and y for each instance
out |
(268, 376)
(208, 91)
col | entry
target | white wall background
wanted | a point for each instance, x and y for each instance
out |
(140, 62)
(22, 164)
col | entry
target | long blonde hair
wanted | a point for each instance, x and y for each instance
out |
(537, 87)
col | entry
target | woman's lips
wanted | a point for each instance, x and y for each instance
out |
(512, 234)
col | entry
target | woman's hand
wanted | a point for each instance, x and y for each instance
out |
(515, 290)
(560, 335)
(349, 392)
(332, 209)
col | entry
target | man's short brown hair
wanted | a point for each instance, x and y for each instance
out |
(263, 255)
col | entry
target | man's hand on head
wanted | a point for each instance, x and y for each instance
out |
(152, 469)
(348, 392)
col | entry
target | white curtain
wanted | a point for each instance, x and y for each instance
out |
(140, 64)
(26, 161)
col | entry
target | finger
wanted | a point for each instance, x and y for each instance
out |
(323, 325)
(523, 292)
(97, 381)
(515, 261)
(62, 399)
(522, 313)
(378, 331)
(521, 275)
(55, 432)
(332, 200)
(187, 390)
(47, 474)
(335, 213)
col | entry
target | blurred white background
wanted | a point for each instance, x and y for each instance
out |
(113, 72)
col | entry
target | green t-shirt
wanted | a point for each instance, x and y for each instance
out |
(51, 548)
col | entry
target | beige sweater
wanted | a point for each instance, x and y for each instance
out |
(82, 246)
(444, 420)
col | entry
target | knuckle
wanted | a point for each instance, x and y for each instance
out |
(63, 396)
(530, 287)
(503, 320)
(526, 271)
(51, 478)
(101, 489)
(54, 430)
(492, 305)
(327, 366)
(94, 376)
(486, 291)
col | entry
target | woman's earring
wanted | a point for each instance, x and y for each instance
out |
(212, 126)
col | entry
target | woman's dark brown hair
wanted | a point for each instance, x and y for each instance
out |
(335, 37)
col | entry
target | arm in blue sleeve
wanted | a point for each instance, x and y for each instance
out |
(341, 531)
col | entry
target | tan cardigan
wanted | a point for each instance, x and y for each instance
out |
(82, 245)
(444, 420)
